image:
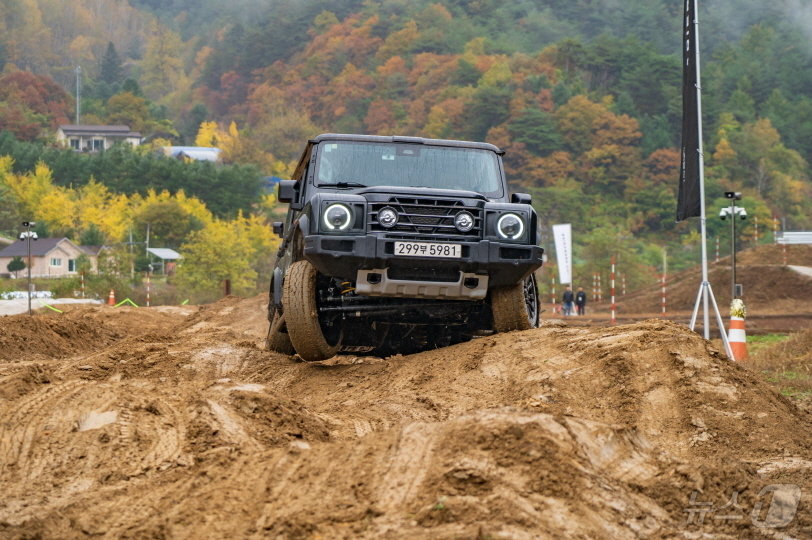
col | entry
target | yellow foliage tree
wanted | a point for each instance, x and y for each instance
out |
(208, 135)
(221, 250)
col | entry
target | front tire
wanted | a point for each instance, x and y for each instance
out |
(302, 316)
(515, 307)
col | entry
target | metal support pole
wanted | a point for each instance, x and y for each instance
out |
(755, 230)
(665, 272)
(703, 288)
(600, 292)
(612, 290)
(552, 292)
(28, 264)
(733, 217)
(775, 230)
(594, 287)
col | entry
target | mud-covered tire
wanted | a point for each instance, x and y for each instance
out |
(302, 316)
(515, 307)
(279, 341)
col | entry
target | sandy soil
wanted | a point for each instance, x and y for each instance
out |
(174, 423)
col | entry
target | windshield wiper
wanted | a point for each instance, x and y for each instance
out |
(342, 185)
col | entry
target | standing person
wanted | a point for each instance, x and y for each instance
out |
(566, 301)
(580, 301)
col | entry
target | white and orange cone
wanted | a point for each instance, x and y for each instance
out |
(111, 298)
(737, 336)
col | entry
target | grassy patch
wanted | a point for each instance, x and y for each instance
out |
(784, 361)
(758, 343)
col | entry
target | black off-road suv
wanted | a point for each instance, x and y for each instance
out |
(395, 244)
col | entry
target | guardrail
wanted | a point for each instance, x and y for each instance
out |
(799, 237)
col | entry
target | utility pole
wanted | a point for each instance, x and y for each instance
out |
(78, 92)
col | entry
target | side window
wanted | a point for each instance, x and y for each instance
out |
(71, 265)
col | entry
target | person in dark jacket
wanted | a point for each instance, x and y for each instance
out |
(566, 301)
(580, 301)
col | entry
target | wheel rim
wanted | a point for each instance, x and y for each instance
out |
(531, 300)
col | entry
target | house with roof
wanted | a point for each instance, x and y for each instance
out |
(50, 257)
(92, 138)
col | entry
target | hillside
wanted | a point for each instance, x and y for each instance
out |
(583, 96)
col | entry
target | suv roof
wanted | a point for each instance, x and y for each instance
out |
(403, 139)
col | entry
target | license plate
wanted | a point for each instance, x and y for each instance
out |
(428, 249)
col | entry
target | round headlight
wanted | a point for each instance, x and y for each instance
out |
(510, 226)
(337, 217)
(464, 221)
(387, 217)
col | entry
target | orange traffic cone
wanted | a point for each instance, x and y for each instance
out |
(737, 338)
(111, 298)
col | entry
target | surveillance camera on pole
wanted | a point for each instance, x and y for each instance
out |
(28, 235)
(732, 212)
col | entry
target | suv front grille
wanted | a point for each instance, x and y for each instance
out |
(424, 217)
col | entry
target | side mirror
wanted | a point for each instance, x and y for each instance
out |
(279, 229)
(286, 192)
(521, 198)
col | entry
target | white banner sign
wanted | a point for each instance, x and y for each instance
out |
(563, 251)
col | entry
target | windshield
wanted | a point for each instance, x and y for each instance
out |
(362, 164)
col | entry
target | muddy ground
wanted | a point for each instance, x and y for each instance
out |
(174, 423)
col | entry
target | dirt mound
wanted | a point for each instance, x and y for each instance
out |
(799, 255)
(247, 316)
(767, 289)
(560, 431)
(53, 336)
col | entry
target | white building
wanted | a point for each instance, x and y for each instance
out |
(85, 138)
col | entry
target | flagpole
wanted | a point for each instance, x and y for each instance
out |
(705, 292)
(700, 150)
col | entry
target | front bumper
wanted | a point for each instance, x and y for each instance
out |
(343, 257)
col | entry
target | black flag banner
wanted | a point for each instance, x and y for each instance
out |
(688, 204)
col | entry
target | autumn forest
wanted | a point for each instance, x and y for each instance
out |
(583, 95)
